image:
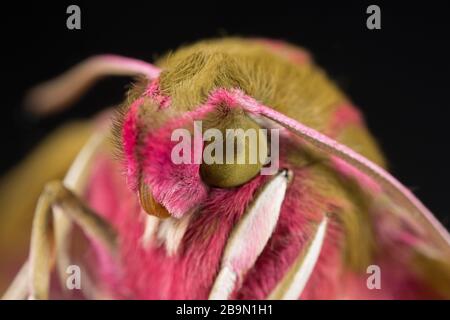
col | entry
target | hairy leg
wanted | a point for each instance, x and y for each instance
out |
(56, 195)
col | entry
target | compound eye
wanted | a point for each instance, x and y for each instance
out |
(249, 154)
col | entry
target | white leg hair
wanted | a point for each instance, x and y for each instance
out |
(295, 280)
(250, 236)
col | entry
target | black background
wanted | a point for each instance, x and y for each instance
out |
(397, 75)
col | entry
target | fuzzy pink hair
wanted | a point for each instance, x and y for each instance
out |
(151, 273)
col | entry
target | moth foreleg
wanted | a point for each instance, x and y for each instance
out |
(56, 195)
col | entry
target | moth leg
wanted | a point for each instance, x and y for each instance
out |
(56, 195)
(18, 288)
(74, 180)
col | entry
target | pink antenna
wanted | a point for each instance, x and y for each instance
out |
(60, 92)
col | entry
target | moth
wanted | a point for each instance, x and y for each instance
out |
(154, 229)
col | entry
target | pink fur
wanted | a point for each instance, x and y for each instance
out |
(153, 91)
(301, 208)
(179, 188)
(180, 276)
(151, 273)
(346, 115)
(129, 137)
(295, 55)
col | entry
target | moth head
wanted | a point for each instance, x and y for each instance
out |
(173, 159)
(144, 129)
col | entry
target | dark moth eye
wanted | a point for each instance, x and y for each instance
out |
(249, 154)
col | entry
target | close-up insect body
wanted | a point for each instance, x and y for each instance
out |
(306, 219)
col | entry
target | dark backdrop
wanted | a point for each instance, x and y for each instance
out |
(397, 75)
